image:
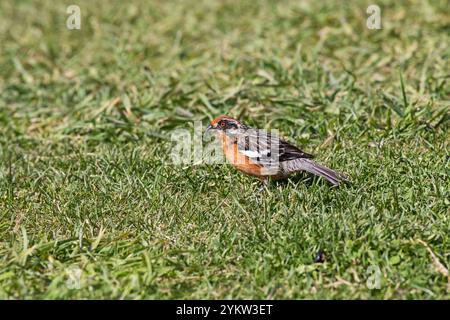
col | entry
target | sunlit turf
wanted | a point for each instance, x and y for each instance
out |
(87, 186)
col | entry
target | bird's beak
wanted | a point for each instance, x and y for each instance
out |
(209, 127)
(210, 130)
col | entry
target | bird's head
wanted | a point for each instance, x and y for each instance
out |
(225, 124)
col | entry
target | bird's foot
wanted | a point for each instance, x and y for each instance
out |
(264, 185)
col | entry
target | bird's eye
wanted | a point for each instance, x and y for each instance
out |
(222, 124)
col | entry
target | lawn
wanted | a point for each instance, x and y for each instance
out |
(92, 206)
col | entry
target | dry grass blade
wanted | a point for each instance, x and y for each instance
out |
(436, 263)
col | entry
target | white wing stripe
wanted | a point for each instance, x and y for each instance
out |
(255, 154)
(251, 154)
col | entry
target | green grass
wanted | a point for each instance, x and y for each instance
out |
(85, 175)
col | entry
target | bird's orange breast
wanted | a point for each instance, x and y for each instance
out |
(238, 160)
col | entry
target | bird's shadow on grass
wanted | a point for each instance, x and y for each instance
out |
(303, 178)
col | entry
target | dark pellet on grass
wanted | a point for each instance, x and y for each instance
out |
(320, 257)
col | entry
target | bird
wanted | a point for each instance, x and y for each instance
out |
(264, 155)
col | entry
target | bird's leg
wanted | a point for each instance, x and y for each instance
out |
(264, 183)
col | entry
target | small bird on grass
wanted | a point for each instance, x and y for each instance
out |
(264, 155)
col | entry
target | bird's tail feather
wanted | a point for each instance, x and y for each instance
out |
(332, 176)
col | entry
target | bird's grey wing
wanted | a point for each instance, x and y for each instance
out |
(266, 148)
(291, 152)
